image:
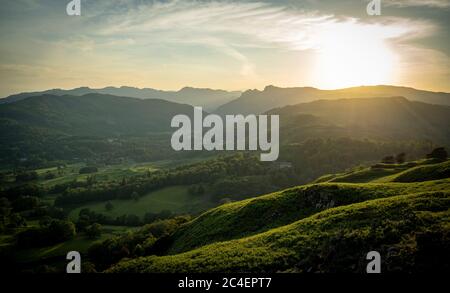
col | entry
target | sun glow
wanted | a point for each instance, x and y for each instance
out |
(351, 57)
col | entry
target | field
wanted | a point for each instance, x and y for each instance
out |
(105, 173)
(115, 172)
(175, 199)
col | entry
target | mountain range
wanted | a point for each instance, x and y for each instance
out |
(108, 115)
(251, 101)
(92, 114)
(207, 98)
(36, 125)
(255, 101)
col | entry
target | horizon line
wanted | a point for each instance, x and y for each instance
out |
(221, 89)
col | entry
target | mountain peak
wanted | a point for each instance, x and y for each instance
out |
(270, 87)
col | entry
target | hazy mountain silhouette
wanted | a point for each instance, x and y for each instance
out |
(207, 98)
(92, 114)
(394, 118)
(255, 101)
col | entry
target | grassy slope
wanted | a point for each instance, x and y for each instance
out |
(400, 227)
(387, 172)
(424, 173)
(259, 214)
(291, 232)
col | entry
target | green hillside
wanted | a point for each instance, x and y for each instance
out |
(93, 114)
(318, 227)
(259, 214)
(45, 130)
(424, 173)
(403, 228)
(393, 118)
(424, 170)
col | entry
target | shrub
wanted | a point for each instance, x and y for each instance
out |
(88, 170)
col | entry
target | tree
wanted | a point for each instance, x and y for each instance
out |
(400, 158)
(88, 170)
(132, 220)
(23, 203)
(138, 250)
(90, 180)
(388, 160)
(109, 206)
(5, 209)
(438, 153)
(124, 251)
(60, 230)
(49, 175)
(135, 196)
(27, 176)
(88, 267)
(83, 222)
(94, 231)
(45, 221)
(200, 190)
(57, 231)
(16, 220)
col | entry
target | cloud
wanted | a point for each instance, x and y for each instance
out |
(418, 3)
(176, 41)
(237, 27)
(246, 24)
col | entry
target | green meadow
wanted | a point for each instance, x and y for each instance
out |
(175, 199)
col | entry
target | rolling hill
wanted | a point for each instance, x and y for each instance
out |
(274, 210)
(325, 227)
(255, 101)
(207, 98)
(95, 127)
(54, 127)
(93, 114)
(377, 118)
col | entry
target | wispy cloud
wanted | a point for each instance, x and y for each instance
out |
(418, 3)
(230, 26)
(249, 23)
(174, 42)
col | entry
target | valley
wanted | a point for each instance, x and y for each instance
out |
(182, 143)
(95, 173)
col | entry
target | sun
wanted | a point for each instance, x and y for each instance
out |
(351, 57)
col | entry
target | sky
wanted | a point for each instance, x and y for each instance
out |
(232, 45)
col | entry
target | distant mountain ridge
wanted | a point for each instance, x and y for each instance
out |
(95, 127)
(209, 99)
(45, 125)
(255, 101)
(105, 115)
(394, 118)
(93, 114)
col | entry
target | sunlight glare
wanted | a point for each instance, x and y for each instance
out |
(348, 56)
